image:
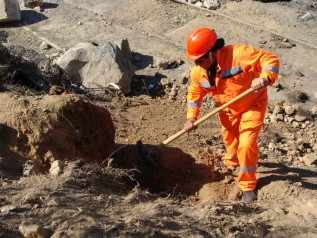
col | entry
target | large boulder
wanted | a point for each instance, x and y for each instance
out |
(109, 65)
(76, 58)
(10, 11)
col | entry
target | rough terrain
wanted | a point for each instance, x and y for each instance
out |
(124, 195)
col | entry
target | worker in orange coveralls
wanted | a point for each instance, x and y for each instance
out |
(224, 72)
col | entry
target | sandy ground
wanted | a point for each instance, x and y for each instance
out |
(124, 195)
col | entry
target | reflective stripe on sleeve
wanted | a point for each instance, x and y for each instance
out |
(248, 169)
(193, 104)
(272, 68)
(231, 72)
(205, 84)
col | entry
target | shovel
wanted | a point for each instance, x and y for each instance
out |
(147, 154)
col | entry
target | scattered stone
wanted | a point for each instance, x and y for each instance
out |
(164, 81)
(30, 168)
(45, 46)
(289, 110)
(300, 118)
(272, 146)
(30, 230)
(278, 109)
(299, 74)
(310, 159)
(295, 124)
(57, 167)
(212, 4)
(262, 42)
(162, 63)
(7, 208)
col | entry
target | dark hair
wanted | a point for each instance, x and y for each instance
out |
(206, 55)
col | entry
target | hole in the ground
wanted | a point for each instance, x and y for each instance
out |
(180, 174)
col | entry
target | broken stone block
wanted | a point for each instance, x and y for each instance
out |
(10, 11)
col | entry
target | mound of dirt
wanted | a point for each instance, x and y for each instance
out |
(56, 127)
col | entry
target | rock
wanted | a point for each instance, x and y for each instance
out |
(161, 63)
(279, 117)
(310, 159)
(33, 3)
(30, 230)
(212, 4)
(57, 167)
(272, 146)
(7, 208)
(299, 74)
(109, 65)
(164, 81)
(289, 110)
(300, 118)
(295, 124)
(30, 168)
(76, 58)
(278, 109)
(314, 110)
(44, 46)
(184, 79)
(10, 11)
(125, 48)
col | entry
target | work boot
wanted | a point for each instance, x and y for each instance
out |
(248, 196)
(219, 164)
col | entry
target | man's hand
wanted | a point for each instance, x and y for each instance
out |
(189, 124)
(259, 83)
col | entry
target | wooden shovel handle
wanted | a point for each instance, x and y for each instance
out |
(204, 118)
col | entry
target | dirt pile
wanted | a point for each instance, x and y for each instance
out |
(55, 127)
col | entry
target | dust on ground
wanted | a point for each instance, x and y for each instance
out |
(123, 195)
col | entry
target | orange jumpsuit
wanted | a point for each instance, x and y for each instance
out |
(242, 121)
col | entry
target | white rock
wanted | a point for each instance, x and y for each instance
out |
(56, 167)
(272, 146)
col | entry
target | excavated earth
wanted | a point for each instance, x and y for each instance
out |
(106, 188)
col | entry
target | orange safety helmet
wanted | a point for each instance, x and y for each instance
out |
(199, 42)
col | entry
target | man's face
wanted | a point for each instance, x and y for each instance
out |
(207, 60)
